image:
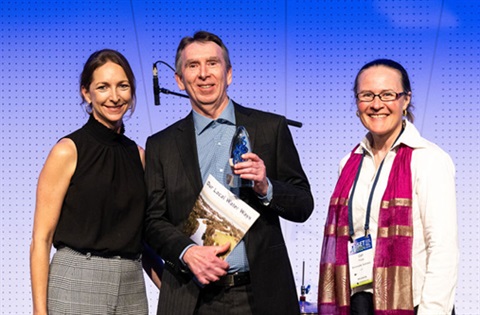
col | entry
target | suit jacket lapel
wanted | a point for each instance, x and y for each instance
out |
(187, 147)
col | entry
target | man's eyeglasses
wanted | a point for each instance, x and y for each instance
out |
(385, 96)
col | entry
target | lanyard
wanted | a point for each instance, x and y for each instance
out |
(370, 197)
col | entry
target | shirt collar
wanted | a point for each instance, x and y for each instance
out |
(227, 116)
(410, 137)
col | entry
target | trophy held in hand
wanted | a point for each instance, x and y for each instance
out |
(240, 145)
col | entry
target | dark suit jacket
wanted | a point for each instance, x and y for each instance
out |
(174, 181)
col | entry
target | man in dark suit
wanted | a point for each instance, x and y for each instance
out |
(256, 278)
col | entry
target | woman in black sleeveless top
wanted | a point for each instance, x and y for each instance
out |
(90, 205)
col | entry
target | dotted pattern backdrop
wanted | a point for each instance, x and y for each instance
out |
(294, 57)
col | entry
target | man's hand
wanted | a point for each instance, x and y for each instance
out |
(205, 264)
(254, 169)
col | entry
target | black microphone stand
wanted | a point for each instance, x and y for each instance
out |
(165, 91)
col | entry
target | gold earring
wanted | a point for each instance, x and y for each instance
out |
(404, 113)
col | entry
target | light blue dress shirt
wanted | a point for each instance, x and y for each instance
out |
(213, 146)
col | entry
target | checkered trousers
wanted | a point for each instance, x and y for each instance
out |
(83, 284)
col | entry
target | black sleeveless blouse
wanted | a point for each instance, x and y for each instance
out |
(104, 207)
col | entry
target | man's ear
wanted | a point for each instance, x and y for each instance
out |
(229, 76)
(180, 84)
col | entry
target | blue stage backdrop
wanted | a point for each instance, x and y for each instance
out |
(293, 57)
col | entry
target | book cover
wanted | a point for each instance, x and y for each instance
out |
(218, 217)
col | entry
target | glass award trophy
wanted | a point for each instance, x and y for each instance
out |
(240, 145)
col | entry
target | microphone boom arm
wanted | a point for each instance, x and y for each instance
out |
(165, 91)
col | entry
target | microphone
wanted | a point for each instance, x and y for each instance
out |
(156, 89)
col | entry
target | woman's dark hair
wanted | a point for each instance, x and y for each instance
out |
(200, 37)
(98, 59)
(404, 77)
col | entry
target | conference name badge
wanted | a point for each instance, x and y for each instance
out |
(360, 261)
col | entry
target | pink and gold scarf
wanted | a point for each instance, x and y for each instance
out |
(392, 267)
